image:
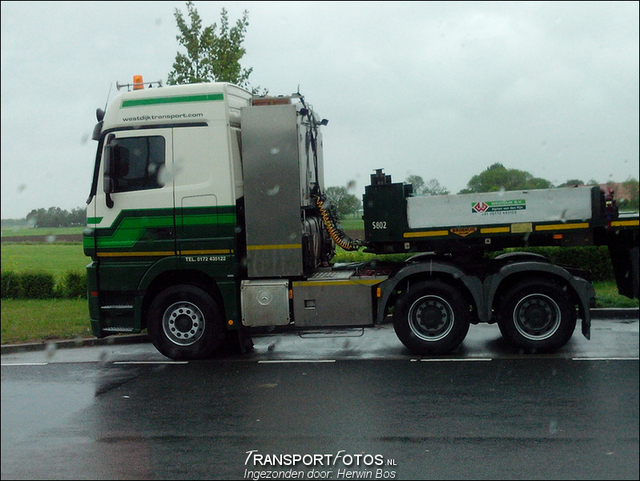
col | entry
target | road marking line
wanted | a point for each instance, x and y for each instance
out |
(455, 360)
(282, 361)
(604, 358)
(151, 362)
(24, 364)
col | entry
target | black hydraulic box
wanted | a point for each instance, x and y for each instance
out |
(385, 210)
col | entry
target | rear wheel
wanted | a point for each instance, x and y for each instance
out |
(537, 316)
(185, 322)
(431, 317)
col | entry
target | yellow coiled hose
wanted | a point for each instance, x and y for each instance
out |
(337, 234)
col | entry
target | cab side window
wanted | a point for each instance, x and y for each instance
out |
(137, 163)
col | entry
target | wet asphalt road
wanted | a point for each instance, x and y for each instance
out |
(327, 408)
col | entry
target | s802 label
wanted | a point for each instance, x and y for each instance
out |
(379, 225)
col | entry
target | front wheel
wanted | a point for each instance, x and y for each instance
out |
(185, 322)
(431, 317)
(537, 316)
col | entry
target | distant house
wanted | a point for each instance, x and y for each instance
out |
(619, 192)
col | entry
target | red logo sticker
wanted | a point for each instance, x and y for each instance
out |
(480, 207)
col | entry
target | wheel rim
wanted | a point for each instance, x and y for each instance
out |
(431, 318)
(537, 317)
(183, 323)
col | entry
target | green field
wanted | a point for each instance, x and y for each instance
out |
(41, 231)
(57, 259)
(352, 224)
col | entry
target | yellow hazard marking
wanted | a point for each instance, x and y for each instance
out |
(582, 225)
(433, 233)
(206, 252)
(164, 253)
(363, 282)
(274, 247)
(624, 223)
(494, 230)
(136, 254)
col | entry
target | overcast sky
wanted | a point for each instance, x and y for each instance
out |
(436, 89)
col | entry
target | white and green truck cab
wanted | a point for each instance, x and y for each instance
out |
(207, 218)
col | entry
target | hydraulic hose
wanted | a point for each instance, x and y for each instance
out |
(336, 233)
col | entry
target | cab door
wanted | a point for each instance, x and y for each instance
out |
(134, 206)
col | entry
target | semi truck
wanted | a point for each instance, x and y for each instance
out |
(208, 219)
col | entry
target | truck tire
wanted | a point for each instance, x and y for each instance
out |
(185, 322)
(431, 317)
(537, 316)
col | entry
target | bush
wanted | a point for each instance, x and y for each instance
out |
(36, 285)
(10, 285)
(74, 285)
(42, 285)
(593, 259)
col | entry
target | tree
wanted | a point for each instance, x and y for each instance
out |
(78, 216)
(417, 183)
(36, 217)
(497, 177)
(344, 203)
(630, 199)
(571, 183)
(433, 187)
(213, 55)
(420, 187)
(57, 217)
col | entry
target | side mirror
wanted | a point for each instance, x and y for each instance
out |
(97, 131)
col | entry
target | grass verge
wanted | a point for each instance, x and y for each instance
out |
(38, 320)
(607, 296)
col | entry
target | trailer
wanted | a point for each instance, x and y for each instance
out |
(207, 219)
